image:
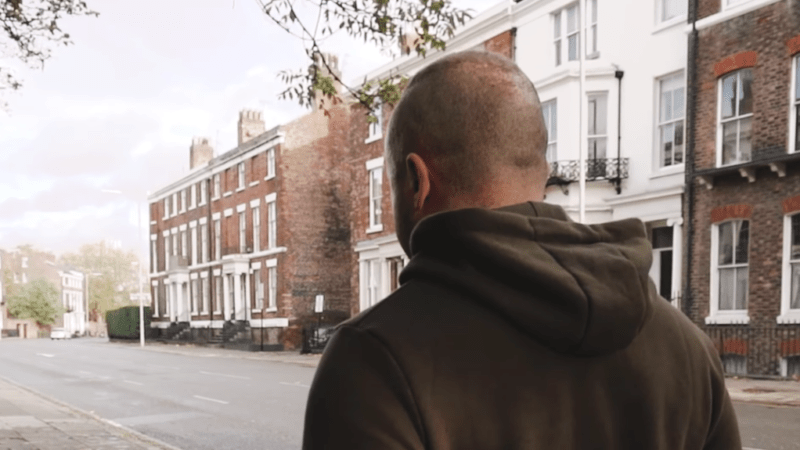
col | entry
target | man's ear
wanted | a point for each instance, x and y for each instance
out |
(420, 177)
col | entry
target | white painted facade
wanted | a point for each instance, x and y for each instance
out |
(630, 37)
(72, 299)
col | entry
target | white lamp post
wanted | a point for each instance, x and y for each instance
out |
(138, 252)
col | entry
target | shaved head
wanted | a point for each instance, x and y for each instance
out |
(470, 113)
(467, 132)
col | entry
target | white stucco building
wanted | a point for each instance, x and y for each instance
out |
(633, 108)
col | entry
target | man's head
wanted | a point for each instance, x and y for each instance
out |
(468, 132)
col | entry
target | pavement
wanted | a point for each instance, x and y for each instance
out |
(32, 421)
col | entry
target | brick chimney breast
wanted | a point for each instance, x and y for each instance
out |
(251, 124)
(200, 152)
(332, 62)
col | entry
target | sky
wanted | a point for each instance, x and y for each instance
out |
(110, 118)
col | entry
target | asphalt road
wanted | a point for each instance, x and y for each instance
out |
(191, 402)
(196, 402)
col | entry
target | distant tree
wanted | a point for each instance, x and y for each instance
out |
(30, 30)
(116, 280)
(381, 22)
(37, 300)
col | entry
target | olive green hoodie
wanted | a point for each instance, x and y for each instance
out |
(517, 328)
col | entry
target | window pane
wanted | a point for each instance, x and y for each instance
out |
(729, 142)
(666, 106)
(741, 288)
(794, 301)
(745, 139)
(728, 95)
(551, 155)
(558, 52)
(678, 145)
(594, 38)
(795, 243)
(553, 121)
(725, 243)
(745, 93)
(597, 148)
(726, 289)
(742, 242)
(572, 19)
(678, 102)
(573, 47)
(557, 25)
(666, 144)
(797, 77)
(797, 128)
(668, 10)
(662, 237)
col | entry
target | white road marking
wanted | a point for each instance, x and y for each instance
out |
(46, 355)
(296, 383)
(225, 375)
(133, 382)
(210, 399)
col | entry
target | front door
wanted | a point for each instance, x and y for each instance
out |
(661, 270)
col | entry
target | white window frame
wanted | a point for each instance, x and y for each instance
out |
(259, 287)
(219, 294)
(272, 221)
(728, 4)
(372, 270)
(734, 118)
(218, 239)
(193, 196)
(195, 286)
(206, 293)
(597, 136)
(154, 254)
(270, 163)
(24, 262)
(794, 105)
(256, 228)
(788, 314)
(166, 251)
(717, 316)
(561, 34)
(174, 204)
(550, 112)
(184, 245)
(203, 192)
(242, 232)
(661, 124)
(681, 10)
(204, 242)
(183, 201)
(376, 128)
(591, 30)
(272, 273)
(242, 180)
(217, 187)
(193, 238)
(375, 216)
(166, 207)
(174, 243)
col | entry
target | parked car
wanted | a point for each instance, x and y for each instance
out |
(59, 333)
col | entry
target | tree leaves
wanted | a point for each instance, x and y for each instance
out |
(31, 28)
(37, 300)
(376, 21)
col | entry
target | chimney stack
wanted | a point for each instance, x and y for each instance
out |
(333, 61)
(200, 152)
(251, 124)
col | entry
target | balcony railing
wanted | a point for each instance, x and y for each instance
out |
(567, 171)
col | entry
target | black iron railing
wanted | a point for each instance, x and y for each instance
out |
(766, 351)
(610, 169)
(315, 338)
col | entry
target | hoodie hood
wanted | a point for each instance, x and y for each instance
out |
(579, 289)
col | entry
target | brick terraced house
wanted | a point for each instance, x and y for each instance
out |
(243, 244)
(743, 182)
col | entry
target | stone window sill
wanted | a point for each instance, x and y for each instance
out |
(728, 318)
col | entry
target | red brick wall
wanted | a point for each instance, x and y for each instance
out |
(315, 209)
(706, 8)
(762, 34)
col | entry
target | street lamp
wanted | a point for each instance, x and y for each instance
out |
(139, 250)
